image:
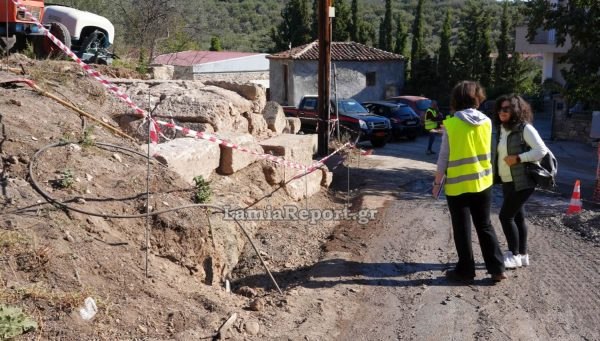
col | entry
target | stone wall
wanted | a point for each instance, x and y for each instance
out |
(571, 127)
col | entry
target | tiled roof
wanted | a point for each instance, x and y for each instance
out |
(189, 58)
(340, 51)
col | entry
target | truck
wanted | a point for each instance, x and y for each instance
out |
(87, 34)
(356, 120)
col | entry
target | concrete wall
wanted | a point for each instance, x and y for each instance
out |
(186, 72)
(350, 76)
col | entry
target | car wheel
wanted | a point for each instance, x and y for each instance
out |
(44, 47)
(378, 143)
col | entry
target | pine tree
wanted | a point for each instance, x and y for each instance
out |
(341, 22)
(355, 22)
(471, 59)
(485, 60)
(444, 57)
(381, 41)
(417, 52)
(387, 34)
(501, 67)
(295, 28)
(401, 36)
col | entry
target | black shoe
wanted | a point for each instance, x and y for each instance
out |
(430, 152)
(455, 276)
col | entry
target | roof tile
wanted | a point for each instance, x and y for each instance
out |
(340, 51)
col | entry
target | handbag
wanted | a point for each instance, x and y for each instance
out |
(543, 172)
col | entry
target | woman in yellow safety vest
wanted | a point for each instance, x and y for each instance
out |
(465, 167)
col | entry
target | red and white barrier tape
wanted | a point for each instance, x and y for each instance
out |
(212, 138)
(154, 130)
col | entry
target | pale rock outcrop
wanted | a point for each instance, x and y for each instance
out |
(188, 157)
(293, 125)
(273, 114)
(296, 148)
(233, 160)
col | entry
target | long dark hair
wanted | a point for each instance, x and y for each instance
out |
(520, 111)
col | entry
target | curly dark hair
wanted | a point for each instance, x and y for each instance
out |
(467, 95)
(520, 110)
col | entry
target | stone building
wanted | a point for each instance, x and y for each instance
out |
(358, 71)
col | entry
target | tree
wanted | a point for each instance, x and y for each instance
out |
(444, 56)
(294, 30)
(387, 30)
(341, 22)
(141, 20)
(355, 22)
(401, 36)
(215, 44)
(579, 20)
(502, 66)
(484, 68)
(381, 40)
(471, 59)
(180, 41)
(417, 52)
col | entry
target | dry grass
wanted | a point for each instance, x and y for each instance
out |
(40, 295)
(12, 240)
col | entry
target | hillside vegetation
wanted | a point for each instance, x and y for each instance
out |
(245, 25)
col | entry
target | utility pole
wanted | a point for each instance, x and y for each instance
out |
(324, 76)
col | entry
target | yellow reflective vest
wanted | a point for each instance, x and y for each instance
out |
(470, 160)
(430, 124)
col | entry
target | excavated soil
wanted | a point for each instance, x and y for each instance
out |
(383, 280)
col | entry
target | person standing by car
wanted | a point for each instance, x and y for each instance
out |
(518, 142)
(465, 162)
(433, 121)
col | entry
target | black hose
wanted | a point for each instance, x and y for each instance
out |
(53, 201)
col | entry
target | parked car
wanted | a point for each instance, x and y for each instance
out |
(405, 121)
(354, 116)
(418, 103)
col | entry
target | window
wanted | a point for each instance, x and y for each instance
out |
(371, 78)
(310, 103)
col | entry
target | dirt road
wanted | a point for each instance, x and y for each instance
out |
(385, 280)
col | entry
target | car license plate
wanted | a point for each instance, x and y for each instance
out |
(410, 123)
(380, 133)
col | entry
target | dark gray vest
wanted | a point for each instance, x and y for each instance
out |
(515, 145)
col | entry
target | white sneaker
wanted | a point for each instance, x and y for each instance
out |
(525, 260)
(511, 261)
(518, 261)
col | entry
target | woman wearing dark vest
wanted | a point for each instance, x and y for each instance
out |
(518, 142)
(465, 159)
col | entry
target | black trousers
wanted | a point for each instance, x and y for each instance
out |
(475, 206)
(512, 217)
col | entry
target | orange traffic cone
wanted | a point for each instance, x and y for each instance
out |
(575, 204)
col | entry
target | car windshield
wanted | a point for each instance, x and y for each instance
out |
(423, 104)
(351, 106)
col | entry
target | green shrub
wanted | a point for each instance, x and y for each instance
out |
(67, 179)
(203, 191)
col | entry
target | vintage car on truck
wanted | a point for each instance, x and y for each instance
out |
(355, 120)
